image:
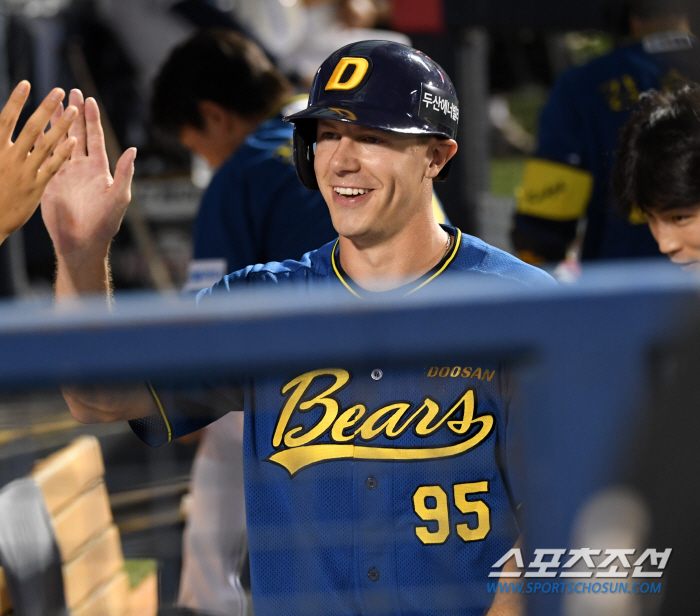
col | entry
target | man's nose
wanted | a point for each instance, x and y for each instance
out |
(344, 158)
(667, 238)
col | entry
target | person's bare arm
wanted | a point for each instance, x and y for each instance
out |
(27, 165)
(83, 207)
(109, 404)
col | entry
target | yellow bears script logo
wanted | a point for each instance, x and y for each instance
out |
(360, 67)
(349, 428)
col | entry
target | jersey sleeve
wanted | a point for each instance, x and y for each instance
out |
(183, 410)
(557, 181)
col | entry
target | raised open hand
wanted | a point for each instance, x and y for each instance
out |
(26, 166)
(83, 205)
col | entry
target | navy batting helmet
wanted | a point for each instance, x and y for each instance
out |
(378, 84)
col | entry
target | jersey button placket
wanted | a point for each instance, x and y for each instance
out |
(375, 530)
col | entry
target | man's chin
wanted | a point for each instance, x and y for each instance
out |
(351, 229)
(693, 266)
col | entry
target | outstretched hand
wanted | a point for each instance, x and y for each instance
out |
(27, 165)
(83, 205)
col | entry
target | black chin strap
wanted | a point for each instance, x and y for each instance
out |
(28, 552)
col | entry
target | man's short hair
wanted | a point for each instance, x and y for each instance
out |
(216, 65)
(657, 166)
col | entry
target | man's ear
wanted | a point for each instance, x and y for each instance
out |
(440, 151)
(214, 116)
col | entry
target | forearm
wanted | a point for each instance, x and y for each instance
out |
(80, 274)
(109, 404)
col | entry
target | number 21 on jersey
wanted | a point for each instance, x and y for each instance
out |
(431, 505)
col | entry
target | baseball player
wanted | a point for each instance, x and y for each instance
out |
(657, 169)
(223, 98)
(569, 176)
(377, 491)
(27, 165)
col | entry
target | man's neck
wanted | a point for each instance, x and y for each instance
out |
(397, 261)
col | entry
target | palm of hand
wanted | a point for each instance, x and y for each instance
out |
(17, 189)
(83, 205)
(80, 207)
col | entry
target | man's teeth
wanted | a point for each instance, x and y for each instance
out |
(350, 191)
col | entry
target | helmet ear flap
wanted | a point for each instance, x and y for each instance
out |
(304, 139)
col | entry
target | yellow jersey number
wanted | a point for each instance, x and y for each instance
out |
(621, 94)
(430, 504)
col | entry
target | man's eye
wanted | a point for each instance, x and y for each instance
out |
(680, 217)
(372, 140)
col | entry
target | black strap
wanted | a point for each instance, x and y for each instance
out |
(28, 552)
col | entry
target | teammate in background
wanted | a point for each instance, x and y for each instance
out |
(224, 100)
(222, 97)
(361, 496)
(657, 169)
(568, 178)
(27, 165)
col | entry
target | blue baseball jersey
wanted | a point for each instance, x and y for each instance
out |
(256, 210)
(569, 175)
(377, 490)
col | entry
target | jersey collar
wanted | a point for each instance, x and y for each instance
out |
(404, 290)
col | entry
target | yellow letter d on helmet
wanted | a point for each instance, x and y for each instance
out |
(361, 65)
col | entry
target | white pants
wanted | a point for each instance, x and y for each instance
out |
(215, 541)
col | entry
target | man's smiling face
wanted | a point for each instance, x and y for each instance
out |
(372, 180)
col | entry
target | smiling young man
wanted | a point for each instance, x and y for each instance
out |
(376, 184)
(658, 170)
(368, 491)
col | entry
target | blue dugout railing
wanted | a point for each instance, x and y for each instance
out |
(581, 354)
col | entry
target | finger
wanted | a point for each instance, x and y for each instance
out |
(11, 111)
(78, 129)
(38, 141)
(51, 139)
(38, 121)
(95, 134)
(56, 114)
(60, 156)
(55, 118)
(123, 174)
